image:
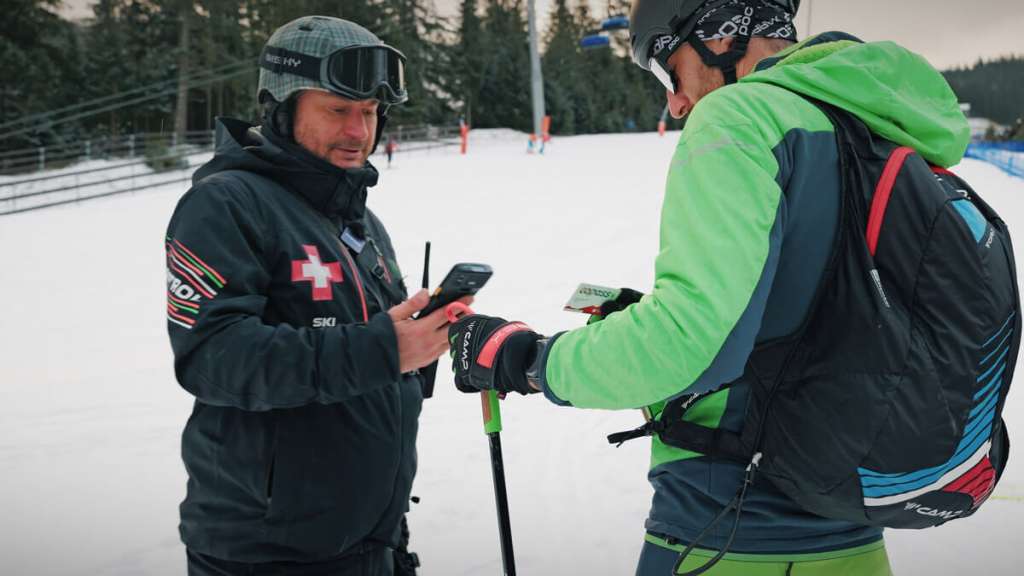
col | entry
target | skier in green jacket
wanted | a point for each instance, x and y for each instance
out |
(749, 218)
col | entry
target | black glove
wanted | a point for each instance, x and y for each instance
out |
(490, 353)
(626, 297)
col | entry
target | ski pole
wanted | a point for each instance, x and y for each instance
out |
(492, 428)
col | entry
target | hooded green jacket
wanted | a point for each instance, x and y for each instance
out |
(746, 224)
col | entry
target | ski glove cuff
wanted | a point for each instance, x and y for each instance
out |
(490, 353)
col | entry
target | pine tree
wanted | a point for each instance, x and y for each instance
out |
(228, 37)
(413, 27)
(561, 65)
(593, 66)
(643, 99)
(186, 11)
(106, 66)
(131, 45)
(995, 88)
(40, 67)
(505, 83)
(468, 60)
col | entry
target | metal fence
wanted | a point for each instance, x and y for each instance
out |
(1006, 155)
(131, 164)
(75, 185)
(421, 137)
(43, 158)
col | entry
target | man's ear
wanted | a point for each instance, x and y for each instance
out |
(721, 45)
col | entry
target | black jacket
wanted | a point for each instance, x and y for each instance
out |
(301, 444)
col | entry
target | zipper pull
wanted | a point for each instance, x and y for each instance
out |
(381, 269)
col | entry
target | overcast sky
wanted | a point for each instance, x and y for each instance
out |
(946, 32)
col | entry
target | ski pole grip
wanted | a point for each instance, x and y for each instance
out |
(492, 412)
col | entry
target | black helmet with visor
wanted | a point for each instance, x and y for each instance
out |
(657, 28)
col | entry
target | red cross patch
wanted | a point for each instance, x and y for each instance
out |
(312, 270)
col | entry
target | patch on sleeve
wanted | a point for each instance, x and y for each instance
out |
(190, 281)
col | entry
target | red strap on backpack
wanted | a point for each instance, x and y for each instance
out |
(882, 193)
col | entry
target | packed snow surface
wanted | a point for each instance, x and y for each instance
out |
(91, 415)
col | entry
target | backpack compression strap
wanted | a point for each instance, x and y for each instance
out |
(678, 433)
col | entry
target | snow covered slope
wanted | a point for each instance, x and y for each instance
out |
(90, 414)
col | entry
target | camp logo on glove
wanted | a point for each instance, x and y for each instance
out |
(466, 339)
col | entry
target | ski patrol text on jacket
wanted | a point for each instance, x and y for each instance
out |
(301, 443)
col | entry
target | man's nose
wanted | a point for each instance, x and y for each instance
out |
(354, 127)
(676, 103)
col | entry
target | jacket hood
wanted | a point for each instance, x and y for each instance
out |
(331, 190)
(891, 89)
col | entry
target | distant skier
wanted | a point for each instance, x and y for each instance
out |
(390, 148)
(748, 226)
(290, 325)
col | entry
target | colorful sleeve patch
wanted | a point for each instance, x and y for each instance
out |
(190, 282)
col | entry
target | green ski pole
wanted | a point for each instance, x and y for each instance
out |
(492, 428)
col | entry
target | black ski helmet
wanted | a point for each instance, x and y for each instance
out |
(659, 25)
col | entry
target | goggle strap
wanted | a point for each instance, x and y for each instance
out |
(283, 61)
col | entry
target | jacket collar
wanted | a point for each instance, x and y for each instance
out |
(335, 192)
(817, 40)
(331, 190)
